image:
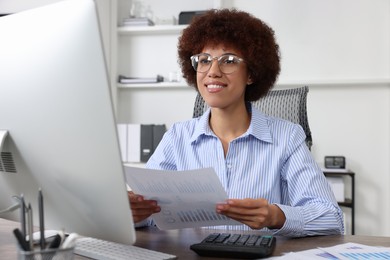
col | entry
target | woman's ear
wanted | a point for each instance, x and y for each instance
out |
(249, 81)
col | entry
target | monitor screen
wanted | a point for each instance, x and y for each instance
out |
(56, 106)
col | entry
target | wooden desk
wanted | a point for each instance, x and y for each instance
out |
(177, 242)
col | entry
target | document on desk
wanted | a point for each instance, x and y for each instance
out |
(344, 251)
(187, 198)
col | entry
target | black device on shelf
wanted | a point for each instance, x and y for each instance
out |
(186, 17)
(229, 245)
(334, 162)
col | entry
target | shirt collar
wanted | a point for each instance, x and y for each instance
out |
(258, 128)
(202, 127)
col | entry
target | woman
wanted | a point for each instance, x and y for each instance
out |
(272, 180)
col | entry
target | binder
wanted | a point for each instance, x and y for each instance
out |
(158, 133)
(138, 141)
(146, 142)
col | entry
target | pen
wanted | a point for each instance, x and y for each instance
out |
(41, 220)
(30, 226)
(23, 216)
(21, 239)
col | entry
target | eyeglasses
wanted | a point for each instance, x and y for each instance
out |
(228, 63)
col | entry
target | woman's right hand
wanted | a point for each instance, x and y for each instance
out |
(141, 208)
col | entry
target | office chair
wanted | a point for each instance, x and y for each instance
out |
(288, 104)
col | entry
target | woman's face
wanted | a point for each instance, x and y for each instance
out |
(221, 90)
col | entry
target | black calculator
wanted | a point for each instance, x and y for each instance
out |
(227, 245)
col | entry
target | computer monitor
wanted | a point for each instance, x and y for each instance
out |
(56, 105)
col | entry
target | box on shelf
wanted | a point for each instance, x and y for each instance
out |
(337, 185)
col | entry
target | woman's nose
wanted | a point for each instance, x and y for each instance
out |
(214, 69)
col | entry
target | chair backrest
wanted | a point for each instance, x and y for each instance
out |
(288, 104)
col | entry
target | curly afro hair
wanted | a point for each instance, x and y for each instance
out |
(239, 30)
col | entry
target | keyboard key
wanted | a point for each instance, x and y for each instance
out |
(104, 250)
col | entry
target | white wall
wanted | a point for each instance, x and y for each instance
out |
(354, 121)
(341, 49)
(332, 39)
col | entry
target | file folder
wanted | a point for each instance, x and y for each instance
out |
(146, 142)
(158, 133)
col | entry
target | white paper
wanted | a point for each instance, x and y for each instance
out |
(358, 251)
(311, 254)
(341, 252)
(187, 198)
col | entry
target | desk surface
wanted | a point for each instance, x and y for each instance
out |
(177, 242)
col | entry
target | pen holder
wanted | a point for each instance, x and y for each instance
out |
(47, 254)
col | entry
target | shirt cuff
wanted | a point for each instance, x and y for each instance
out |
(294, 225)
(144, 223)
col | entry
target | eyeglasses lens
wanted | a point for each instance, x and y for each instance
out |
(227, 63)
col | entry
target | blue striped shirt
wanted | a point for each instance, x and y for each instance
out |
(270, 160)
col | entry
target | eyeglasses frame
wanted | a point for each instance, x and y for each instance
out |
(218, 59)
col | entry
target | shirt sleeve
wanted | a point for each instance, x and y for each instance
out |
(313, 209)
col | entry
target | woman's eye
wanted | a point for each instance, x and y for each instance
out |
(229, 60)
(204, 61)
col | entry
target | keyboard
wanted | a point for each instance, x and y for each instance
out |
(106, 250)
(244, 246)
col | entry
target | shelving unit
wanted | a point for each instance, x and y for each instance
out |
(157, 86)
(147, 51)
(348, 202)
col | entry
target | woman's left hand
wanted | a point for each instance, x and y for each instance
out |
(255, 213)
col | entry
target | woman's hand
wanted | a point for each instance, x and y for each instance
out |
(255, 213)
(141, 208)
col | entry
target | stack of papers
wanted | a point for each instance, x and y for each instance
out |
(136, 80)
(187, 198)
(137, 21)
(344, 251)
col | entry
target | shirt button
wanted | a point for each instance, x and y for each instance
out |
(229, 166)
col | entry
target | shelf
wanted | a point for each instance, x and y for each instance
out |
(347, 203)
(337, 172)
(332, 82)
(150, 30)
(282, 84)
(160, 85)
(135, 164)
